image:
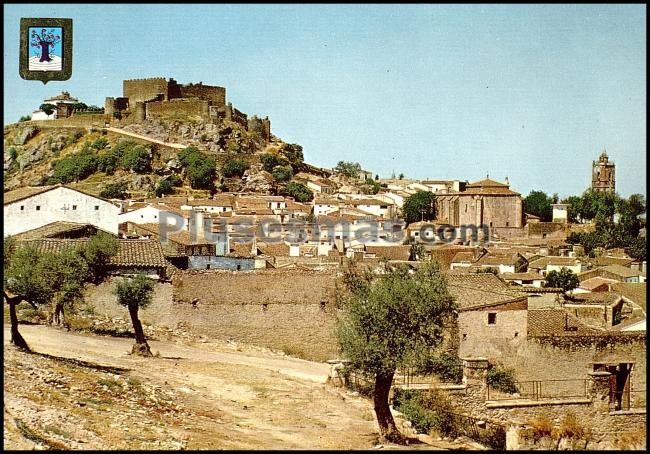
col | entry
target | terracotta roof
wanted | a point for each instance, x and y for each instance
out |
(595, 282)
(240, 250)
(474, 290)
(622, 271)
(445, 254)
(594, 298)
(521, 276)
(131, 253)
(26, 192)
(464, 257)
(635, 292)
(390, 252)
(55, 229)
(499, 259)
(556, 322)
(328, 201)
(543, 262)
(274, 249)
(368, 202)
(605, 261)
(183, 237)
(218, 200)
(486, 183)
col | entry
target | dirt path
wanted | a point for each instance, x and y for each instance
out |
(195, 396)
(149, 139)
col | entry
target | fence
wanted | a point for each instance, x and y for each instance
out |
(408, 379)
(542, 389)
(486, 432)
(627, 399)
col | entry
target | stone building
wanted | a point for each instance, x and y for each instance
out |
(603, 176)
(485, 202)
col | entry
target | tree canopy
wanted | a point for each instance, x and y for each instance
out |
(200, 168)
(565, 279)
(419, 206)
(348, 169)
(538, 203)
(300, 192)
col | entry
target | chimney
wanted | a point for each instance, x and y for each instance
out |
(507, 181)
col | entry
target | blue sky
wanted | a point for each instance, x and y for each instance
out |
(54, 50)
(531, 92)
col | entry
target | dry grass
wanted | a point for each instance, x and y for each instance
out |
(631, 440)
(540, 427)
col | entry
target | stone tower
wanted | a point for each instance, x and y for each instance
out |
(602, 175)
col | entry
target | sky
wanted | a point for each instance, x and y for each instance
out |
(529, 92)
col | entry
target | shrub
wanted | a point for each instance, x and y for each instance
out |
(570, 427)
(300, 192)
(540, 427)
(409, 402)
(115, 191)
(282, 173)
(293, 152)
(502, 379)
(137, 158)
(234, 168)
(13, 153)
(164, 187)
(100, 143)
(448, 367)
(199, 167)
(24, 118)
(270, 161)
(75, 167)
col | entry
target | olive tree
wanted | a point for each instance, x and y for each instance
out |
(72, 271)
(135, 293)
(390, 320)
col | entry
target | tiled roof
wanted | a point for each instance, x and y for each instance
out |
(543, 262)
(240, 250)
(464, 257)
(605, 261)
(54, 229)
(521, 276)
(368, 202)
(595, 282)
(473, 290)
(390, 252)
(621, 271)
(26, 192)
(635, 292)
(219, 200)
(274, 249)
(445, 254)
(499, 259)
(595, 298)
(556, 322)
(131, 253)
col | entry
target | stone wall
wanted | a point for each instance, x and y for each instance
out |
(278, 309)
(192, 106)
(144, 89)
(96, 120)
(215, 95)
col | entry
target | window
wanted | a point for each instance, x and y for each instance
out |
(207, 267)
(492, 318)
(464, 336)
(22, 207)
(507, 224)
(96, 207)
(38, 208)
(516, 334)
(74, 207)
(490, 224)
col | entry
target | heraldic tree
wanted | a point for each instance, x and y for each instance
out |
(45, 41)
(390, 320)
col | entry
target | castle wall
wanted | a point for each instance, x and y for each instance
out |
(191, 106)
(140, 90)
(215, 95)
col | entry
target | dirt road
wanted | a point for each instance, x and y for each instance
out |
(140, 136)
(86, 391)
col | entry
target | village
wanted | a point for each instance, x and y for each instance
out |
(560, 322)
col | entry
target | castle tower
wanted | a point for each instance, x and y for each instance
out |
(140, 112)
(109, 106)
(602, 175)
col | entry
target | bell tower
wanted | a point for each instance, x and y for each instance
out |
(602, 174)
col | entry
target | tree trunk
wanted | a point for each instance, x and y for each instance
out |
(45, 51)
(16, 338)
(141, 347)
(387, 428)
(58, 315)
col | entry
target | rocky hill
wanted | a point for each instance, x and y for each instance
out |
(94, 158)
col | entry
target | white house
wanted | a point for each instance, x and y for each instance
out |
(376, 207)
(326, 206)
(219, 204)
(40, 115)
(32, 207)
(154, 214)
(560, 213)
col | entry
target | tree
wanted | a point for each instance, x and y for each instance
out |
(564, 279)
(637, 249)
(71, 272)
(417, 251)
(294, 154)
(164, 187)
(135, 293)
(270, 161)
(300, 192)
(389, 321)
(401, 176)
(117, 190)
(348, 169)
(370, 187)
(539, 204)
(419, 206)
(75, 166)
(234, 168)
(200, 168)
(28, 276)
(98, 252)
(574, 208)
(137, 158)
(45, 41)
(282, 173)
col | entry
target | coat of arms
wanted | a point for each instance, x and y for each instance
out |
(45, 49)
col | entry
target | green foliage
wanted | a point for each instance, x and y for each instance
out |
(401, 176)
(100, 143)
(13, 153)
(394, 319)
(31, 274)
(370, 187)
(199, 167)
(47, 108)
(234, 168)
(573, 208)
(117, 190)
(417, 251)
(137, 158)
(418, 206)
(24, 118)
(300, 192)
(539, 204)
(564, 279)
(637, 249)
(348, 169)
(72, 271)
(136, 292)
(75, 166)
(98, 252)
(502, 379)
(164, 187)
(282, 173)
(294, 154)
(270, 161)
(409, 402)
(447, 367)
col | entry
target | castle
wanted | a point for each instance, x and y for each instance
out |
(158, 97)
(602, 175)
